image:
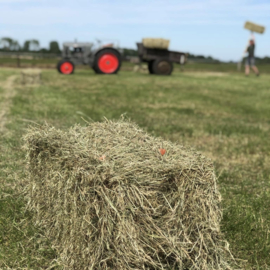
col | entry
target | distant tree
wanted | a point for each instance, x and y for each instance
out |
(15, 46)
(26, 46)
(34, 45)
(54, 47)
(31, 45)
(190, 56)
(6, 43)
(264, 60)
(130, 52)
(43, 50)
(9, 44)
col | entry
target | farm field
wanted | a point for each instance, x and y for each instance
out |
(224, 115)
(127, 66)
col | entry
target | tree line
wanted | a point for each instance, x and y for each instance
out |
(259, 60)
(8, 44)
(132, 52)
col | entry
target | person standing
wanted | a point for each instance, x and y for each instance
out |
(250, 60)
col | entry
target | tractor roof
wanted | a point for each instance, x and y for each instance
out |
(77, 44)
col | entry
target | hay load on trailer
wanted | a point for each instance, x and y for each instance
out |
(159, 59)
(110, 196)
(156, 43)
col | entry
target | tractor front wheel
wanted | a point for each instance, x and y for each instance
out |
(65, 67)
(107, 61)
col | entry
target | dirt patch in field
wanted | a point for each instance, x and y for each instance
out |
(8, 94)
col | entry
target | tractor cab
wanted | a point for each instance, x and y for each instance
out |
(77, 52)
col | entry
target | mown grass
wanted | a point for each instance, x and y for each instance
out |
(189, 66)
(226, 116)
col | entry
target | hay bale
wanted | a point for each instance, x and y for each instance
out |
(141, 68)
(136, 68)
(254, 27)
(31, 76)
(156, 43)
(109, 198)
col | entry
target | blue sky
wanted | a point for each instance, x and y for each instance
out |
(208, 27)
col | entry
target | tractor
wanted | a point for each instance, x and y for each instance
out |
(103, 59)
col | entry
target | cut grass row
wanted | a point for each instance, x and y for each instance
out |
(225, 117)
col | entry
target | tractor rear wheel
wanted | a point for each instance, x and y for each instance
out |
(107, 61)
(65, 67)
(162, 67)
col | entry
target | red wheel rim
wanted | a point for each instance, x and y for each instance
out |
(66, 68)
(108, 63)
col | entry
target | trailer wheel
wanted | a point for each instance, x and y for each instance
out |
(150, 67)
(65, 67)
(107, 61)
(162, 67)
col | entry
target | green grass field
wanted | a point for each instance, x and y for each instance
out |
(224, 115)
(190, 66)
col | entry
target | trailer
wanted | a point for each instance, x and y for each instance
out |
(104, 59)
(160, 61)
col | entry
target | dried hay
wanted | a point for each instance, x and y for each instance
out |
(156, 43)
(109, 198)
(207, 74)
(254, 27)
(141, 68)
(31, 76)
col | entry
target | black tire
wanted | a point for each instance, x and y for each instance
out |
(150, 67)
(63, 61)
(162, 67)
(112, 52)
(96, 71)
